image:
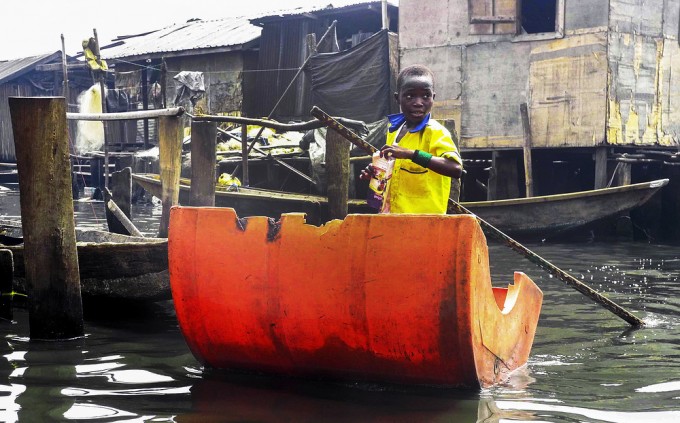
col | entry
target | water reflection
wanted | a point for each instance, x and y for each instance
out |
(586, 365)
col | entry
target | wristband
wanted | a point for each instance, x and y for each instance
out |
(421, 158)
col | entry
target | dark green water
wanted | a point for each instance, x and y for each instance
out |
(585, 365)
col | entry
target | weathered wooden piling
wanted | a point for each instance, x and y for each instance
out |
(6, 287)
(50, 255)
(337, 171)
(120, 191)
(170, 155)
(203, 161)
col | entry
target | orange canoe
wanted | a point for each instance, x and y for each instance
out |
(382, 298)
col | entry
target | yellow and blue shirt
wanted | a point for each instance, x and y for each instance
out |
(413, 188)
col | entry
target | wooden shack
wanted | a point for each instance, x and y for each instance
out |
(222, 51)
(598, 78)
(33, 76)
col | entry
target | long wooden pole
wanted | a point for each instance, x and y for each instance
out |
(498, 234)
(140, 114)
(50, 255)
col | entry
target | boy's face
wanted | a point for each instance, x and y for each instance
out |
(416, 98)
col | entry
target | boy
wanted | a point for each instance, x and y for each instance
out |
(426, 156)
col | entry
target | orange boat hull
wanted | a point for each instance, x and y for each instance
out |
(383, 298)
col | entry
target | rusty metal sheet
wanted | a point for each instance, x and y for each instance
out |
(669, 91)
(635, 90)
(567, 81)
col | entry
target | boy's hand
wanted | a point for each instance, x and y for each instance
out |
(395, 152)
(367, 173)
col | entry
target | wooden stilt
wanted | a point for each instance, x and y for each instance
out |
(170, 146)
(503, 182)
(203, 162)
(52, 278)
(337, 171)
(600, 157)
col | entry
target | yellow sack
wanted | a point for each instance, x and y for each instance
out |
(226, 180)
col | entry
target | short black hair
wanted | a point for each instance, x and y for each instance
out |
(414, 70)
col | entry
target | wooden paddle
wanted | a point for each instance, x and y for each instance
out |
(498, 234)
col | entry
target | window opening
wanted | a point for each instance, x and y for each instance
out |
(538, 16)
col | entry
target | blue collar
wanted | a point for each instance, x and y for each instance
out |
(397, 119)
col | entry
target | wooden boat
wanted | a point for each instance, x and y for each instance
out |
(382, 298)
(257, 201)
(544, 215)
(535, 216)
(111, 265)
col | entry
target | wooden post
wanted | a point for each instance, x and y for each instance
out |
(337, 173)
(130, 228)
(203, 162)
(244, 154)
(503, 179)
(623, 174)
(528, 178)
(385, 16)
(121, 194)
(600, 157)
(6, 284)
(145, 105)
(102, 88)
(170, 146)
(50, 256)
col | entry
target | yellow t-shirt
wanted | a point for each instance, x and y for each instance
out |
(413, 188)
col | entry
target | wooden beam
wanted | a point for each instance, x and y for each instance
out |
(50, 256)
(492, 19)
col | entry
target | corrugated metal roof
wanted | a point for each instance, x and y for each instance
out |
(13, 69)
(221, 34)
(343, 6)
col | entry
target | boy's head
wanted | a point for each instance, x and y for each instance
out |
(415, 93)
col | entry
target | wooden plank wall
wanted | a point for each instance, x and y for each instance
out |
(567, 80)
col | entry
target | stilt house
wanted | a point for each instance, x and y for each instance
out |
(599, 79)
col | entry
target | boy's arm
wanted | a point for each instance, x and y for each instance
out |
(443, 165)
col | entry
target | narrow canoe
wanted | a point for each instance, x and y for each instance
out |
(111, 265)
(520, 217)
(401, 299)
